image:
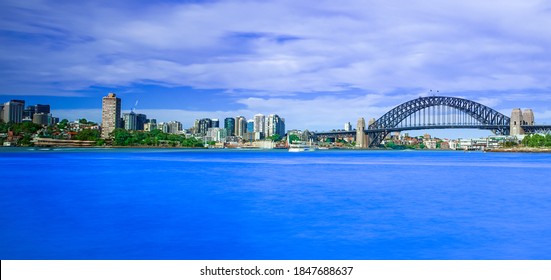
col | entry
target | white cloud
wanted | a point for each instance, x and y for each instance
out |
(283, 45)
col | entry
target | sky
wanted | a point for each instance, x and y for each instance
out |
(318, 63)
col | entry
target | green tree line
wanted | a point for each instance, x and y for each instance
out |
(123, 137)
(537, 140)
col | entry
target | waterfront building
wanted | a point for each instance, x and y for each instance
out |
(275, 125)
(259, 123)
(217, 134)
(110, 114)
(348, 126)
(430, 144)
(229, 125)
(12, 111)
(252, 136)
(240, 126)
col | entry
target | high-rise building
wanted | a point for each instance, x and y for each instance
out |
(42, 118)
(28, 113)
(130, 121)
(203, 126)
(275, 125)
(217, 134)
(110, 114)
(174, 127)
(348, 126)
(229, 125)
(41, 108)
(141, 119)
(150, 125)
(259, 123)
(215, 123)
(13, 111)
(250, 125)
(240, 126)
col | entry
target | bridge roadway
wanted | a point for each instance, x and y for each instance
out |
(393, 129)
(527, 128)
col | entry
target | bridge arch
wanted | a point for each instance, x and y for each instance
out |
(486, 117)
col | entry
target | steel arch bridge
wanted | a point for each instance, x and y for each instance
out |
(437, 112)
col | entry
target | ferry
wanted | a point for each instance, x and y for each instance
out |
(301, 148)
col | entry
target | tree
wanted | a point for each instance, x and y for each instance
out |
(121, 137)
(275, 137)
(63, 124)
(293, 138)
(88, 134)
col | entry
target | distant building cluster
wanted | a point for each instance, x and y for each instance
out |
(428, 142)
(233, 129)
(238, 128)
(14, 111)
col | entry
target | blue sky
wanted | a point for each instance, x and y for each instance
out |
(316, 63)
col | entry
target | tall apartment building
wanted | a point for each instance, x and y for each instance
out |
(150, 125)
(141, 120)
(260, 123)
(250, 125)
(203, 126)
(229, 125)
(130, 121)
(110, 114)
(215, 123)
(42, 118)
(174, 127)
(13, 111)
(275, 125)
(240, 126)
(347, 126)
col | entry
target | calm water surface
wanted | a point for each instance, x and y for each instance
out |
(203, 204)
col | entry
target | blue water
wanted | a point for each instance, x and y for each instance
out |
(204, 204)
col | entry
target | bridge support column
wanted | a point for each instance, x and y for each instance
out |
(516, 122)
(361, 137)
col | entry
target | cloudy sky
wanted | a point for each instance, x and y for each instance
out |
(316, 63)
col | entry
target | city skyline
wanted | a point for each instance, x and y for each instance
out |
(319, 67)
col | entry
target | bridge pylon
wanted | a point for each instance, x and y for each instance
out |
(362, 141)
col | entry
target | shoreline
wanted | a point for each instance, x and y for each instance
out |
(521, 150)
